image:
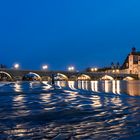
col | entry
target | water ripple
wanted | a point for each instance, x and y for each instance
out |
(38, 111)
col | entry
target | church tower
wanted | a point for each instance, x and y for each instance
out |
(133, 61)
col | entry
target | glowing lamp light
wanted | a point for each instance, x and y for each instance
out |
(94, 69)
(71, 68)
(16, 66)
(117, 70)
(45, 67)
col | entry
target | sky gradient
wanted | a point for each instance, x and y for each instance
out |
(60, 33)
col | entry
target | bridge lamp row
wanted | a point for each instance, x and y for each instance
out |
(117, 71)
(94, 69)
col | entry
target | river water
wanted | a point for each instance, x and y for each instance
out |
(95, 110)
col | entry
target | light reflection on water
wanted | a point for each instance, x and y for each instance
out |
(115, 86)
(94, 86)
(75, 110)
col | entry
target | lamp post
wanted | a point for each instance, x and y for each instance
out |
(45, 68)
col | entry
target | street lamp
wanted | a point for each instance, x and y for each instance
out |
(71, 68)
(16, 66)
(45, 67)
(94, 69)
(117, 70)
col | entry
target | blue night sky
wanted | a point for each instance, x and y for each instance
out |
(68, 32)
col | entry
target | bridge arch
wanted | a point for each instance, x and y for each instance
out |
(4, 76)
(46, 78)
(128, 78)
(107, 77)
(31, 76)
(60, 76)
(84, 77)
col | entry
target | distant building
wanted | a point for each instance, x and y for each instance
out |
(131, 64)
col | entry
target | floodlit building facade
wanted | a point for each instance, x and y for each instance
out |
(131, 64)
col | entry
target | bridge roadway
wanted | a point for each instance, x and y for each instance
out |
(14, 75)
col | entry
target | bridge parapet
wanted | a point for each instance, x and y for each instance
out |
(19, 74)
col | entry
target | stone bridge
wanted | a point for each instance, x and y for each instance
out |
(28, 75)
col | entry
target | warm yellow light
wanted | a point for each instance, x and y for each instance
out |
(117, 71)
(94, 69)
